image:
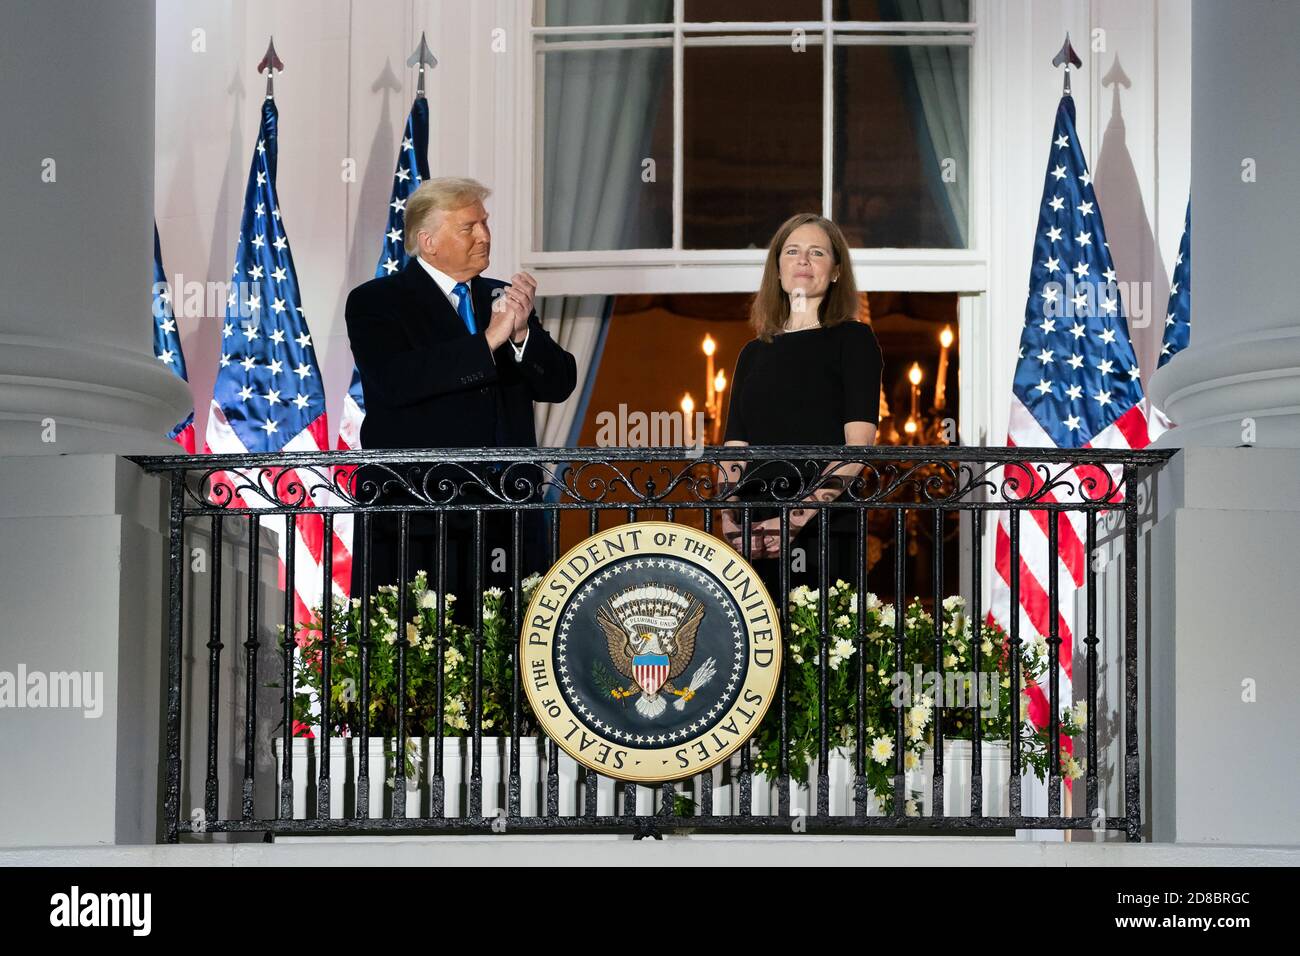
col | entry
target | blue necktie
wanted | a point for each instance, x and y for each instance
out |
(463, 307)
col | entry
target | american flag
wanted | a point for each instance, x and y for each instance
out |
(1077, 385)
(412, 169)
(268, 395)
(1178, 317)
(167, 341)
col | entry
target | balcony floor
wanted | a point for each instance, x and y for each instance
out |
(793, 850)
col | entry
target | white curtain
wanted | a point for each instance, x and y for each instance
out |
(598, 121)
(575, 322)
(941, 75)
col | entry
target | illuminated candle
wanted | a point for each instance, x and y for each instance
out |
(914, 376)
(688, 416)
(941, 381)
(709, 347)
(719, 386)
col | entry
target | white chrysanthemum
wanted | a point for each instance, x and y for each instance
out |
(798, 658)
(887, 615)
(429, 599)
(495, 592)
(873, 602)
(882, 748)
(910, 809)
(489, 614)
(910, 761)
(986, 647)
(950, 661)
(843, 647)
(1080, 713)
(812, 597)
(956, 602)
(530, 582)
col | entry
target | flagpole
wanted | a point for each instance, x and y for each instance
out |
(271, 64)
(421, 58)
(1067, 57)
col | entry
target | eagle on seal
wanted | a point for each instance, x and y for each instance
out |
(650, 630)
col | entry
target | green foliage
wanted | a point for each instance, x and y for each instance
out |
(420, 639)
(891, 693)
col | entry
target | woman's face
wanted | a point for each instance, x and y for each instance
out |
(807, 264)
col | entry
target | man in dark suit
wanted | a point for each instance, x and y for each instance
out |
(451, 359)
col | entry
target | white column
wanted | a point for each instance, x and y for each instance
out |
(1219, 661)
(83, 567)
(77, 371)
(1243, 361)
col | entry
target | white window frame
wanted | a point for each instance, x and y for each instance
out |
(965, 272)
(633, 271)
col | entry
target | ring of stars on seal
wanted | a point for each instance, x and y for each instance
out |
(650, 652)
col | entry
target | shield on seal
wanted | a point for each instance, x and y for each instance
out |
(650, 671)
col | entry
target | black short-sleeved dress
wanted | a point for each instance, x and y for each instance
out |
(800, 389)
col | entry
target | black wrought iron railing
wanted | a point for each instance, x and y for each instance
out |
(412, 742)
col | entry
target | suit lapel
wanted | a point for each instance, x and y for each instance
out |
(433, 309)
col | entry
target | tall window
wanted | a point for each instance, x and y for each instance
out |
(695, 125)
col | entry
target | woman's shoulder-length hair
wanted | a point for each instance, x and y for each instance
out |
(771, 306)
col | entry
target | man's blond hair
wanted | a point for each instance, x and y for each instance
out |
(438, 195)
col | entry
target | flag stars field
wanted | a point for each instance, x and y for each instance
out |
(1075, 333)
(249, 390)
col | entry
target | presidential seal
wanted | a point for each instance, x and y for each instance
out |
(650, 651)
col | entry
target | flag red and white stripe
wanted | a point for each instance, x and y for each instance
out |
(1077, 384)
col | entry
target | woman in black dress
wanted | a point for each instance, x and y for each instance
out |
(811, 377)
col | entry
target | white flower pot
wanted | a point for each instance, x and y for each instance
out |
(532, 781)
(840, 773)
(493, 798)
(345, 756)
(566, 772)
(995, 758)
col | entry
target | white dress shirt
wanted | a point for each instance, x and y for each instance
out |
(446, 283)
